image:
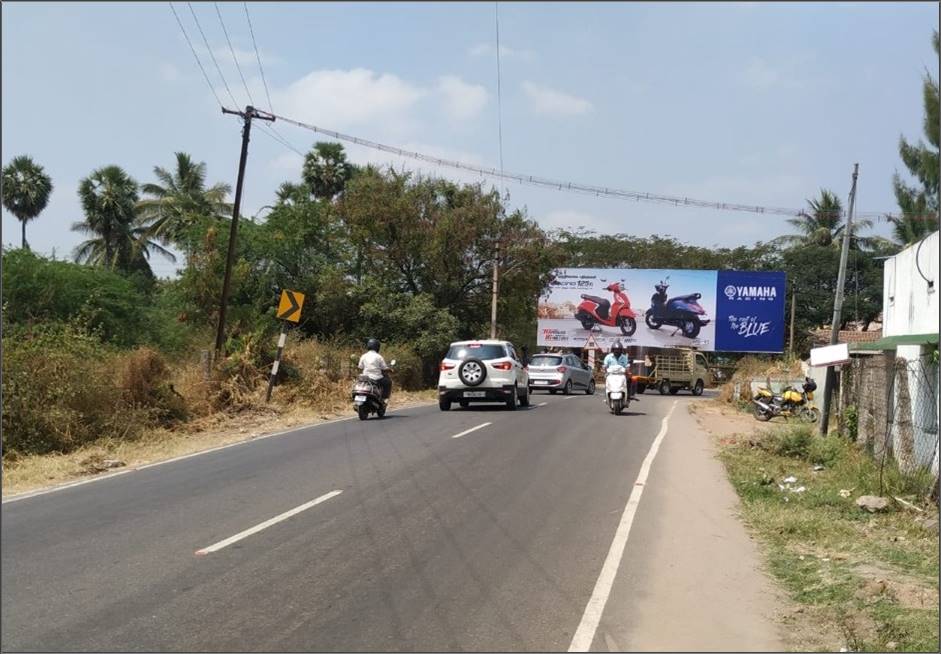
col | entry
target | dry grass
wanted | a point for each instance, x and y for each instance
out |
(866, 582)
(217, 429)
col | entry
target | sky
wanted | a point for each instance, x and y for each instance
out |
(758, 103)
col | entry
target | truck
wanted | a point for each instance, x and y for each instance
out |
(674, 371)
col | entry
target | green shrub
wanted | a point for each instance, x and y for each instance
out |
(40, 290)
(851, 422)
(793, 442)
(826, 451)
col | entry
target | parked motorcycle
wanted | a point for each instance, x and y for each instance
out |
(615, 389)
(367, 397)
(682, 311)
(597, 310)
(790, 403)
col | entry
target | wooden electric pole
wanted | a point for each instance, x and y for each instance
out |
(247, 116)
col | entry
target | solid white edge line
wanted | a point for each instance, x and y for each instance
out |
(52, 489)
(267, 523)
(585, 634)
(467, 431)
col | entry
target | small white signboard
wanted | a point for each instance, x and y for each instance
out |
(831, 355)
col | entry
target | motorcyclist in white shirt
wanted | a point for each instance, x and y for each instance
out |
(374, 366)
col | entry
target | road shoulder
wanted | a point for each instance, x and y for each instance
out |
(692, 577)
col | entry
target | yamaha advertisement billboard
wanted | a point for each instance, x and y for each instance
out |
(722, 311)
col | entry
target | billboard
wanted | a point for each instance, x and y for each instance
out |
(728, 311)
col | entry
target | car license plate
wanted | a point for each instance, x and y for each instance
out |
(360, 398)
(474, 394)
(615, 396)
(542, 381)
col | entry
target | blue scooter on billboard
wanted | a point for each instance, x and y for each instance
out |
(682, 311)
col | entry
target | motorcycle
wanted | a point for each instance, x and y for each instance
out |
(367, 397)
(790, 403)
(615, 389)
(682, 311)
(597, 310)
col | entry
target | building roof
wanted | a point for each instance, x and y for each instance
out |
(892, 342)
(822, 336)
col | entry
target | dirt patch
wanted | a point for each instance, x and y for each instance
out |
(726, 422)
(908, 591)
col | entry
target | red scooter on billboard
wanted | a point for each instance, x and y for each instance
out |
(595, 310)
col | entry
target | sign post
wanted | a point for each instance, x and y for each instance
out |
(289, 309)
(591, 346)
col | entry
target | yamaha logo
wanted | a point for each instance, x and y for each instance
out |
(751, 292)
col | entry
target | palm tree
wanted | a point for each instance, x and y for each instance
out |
(823, 225)
(181, 199)
(326, 170)
(120, 239)
(26, 190)
(908, 229)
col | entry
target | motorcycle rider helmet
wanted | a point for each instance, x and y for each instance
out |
(617, 349)
(373, 344)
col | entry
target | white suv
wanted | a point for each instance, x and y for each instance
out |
(482, 371)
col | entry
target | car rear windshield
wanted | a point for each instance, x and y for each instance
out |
(545, 361)
(478, 351)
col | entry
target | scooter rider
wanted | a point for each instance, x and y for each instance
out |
(617, 357)
(374, 366)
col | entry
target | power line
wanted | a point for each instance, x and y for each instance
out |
(196, 56)
(534, 180)
(258, 56)
(275, 136)
(235, 59)
(211, 55)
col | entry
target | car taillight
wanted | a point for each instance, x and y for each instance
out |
(561, 368)
(445, 366)
(503, 365)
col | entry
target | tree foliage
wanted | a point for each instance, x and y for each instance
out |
(26, 190)
(919, 205)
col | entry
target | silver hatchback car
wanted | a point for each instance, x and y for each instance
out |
(560, 372)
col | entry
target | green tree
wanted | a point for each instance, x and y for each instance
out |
(426, 236)
(120, 241)
(326, 170)
(823, 225)
(919, 206)
(26, 190)
(181, 199)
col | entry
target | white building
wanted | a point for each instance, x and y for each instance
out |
(910, 327)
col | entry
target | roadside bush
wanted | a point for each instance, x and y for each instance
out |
(792, 442)
(145, 383)
(59, 391)
(40, 290)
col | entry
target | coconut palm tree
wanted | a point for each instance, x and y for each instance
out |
(26, 190)
(326, 170)
(120, 240)
(908, 229)
(823, 224)
(180, 200)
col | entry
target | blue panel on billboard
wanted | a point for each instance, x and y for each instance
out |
(750, 311)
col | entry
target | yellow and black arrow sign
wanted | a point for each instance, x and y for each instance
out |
(289, 308)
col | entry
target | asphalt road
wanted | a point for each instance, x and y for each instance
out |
(491, 541)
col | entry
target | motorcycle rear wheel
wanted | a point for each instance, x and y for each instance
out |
(363, 411)
(761, 415)
(690, 328)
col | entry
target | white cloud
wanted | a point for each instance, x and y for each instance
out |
(341, 98)
(549, 101)
(489, 50)
(169, 72)
(462, 101)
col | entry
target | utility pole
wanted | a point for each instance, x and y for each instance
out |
(247, 116)
(838, 305)
(495, 293)
(790, 347)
